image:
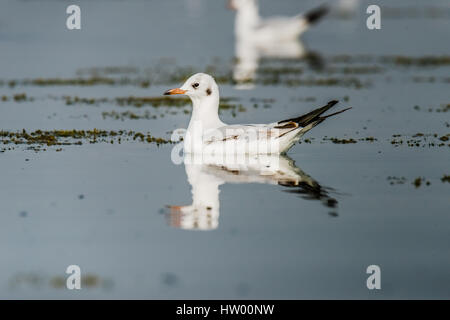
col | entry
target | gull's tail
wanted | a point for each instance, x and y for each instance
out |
(297, 127)
(313, 118)
(315, 15)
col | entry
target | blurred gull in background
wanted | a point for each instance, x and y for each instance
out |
(347, 8)
(276, 37)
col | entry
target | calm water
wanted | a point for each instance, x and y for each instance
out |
(103, 206)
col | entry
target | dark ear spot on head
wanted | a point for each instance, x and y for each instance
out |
(208, 91)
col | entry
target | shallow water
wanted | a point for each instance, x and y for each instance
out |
(102, 206)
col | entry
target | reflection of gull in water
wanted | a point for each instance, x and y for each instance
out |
(207, 175)
(274, 37)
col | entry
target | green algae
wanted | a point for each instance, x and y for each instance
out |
(73, 137)
(441, 108)
(155, 102)
(416, 182)
(398, 60)
(420, 140)
(425, 61)
(18, 97)
(396, 180)
(72, 81)
(340, 141)
(271, 71)
(127, 115)
(108, 70)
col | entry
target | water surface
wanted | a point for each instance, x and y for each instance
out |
(103, 205)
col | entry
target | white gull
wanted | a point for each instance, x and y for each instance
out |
(276, 37)
(207, 134)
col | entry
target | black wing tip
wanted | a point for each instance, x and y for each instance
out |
(316, 14)
(312, 116)
(333, 114)
(332, 103)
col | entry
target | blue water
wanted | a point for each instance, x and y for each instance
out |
(103, 206)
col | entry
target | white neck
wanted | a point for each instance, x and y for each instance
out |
(205, 113)
(247, 18)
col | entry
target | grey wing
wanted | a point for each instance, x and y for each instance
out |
(250, 132)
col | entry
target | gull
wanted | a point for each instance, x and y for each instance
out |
(207, 134)
(276, 37)
(347, 8)
(207, 177)
(275, 28)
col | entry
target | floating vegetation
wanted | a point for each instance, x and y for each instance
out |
(425, 61)
(226, 103)
(77, 100)
(442, 108)
(19, 97)
(416, 140)
(73, 137)
(127, 115)
(340, 141)
(352, 59)
(155, 102)
(74, 81)
(399, 60)
(277, 71)
(111, 70)
(420, 140)
(312, 81)
(78, 81)
(396, 180)
(305, 99)
(272, 71)
(359, 70)
(430, 79)
(39, 139)
(418, 182)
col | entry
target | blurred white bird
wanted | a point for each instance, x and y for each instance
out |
(208, 134)
(348, 7)
(276, 37)
(206, 177)
(271, 29)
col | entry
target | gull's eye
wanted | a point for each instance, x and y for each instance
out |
(195, 85)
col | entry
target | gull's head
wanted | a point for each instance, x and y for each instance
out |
(197, 87)
(240, 4)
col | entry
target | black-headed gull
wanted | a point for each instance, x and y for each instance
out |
(275, 28)
(207, 134)
(274, 37)
(206, 178)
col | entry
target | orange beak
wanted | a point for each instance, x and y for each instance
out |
(174, 91)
